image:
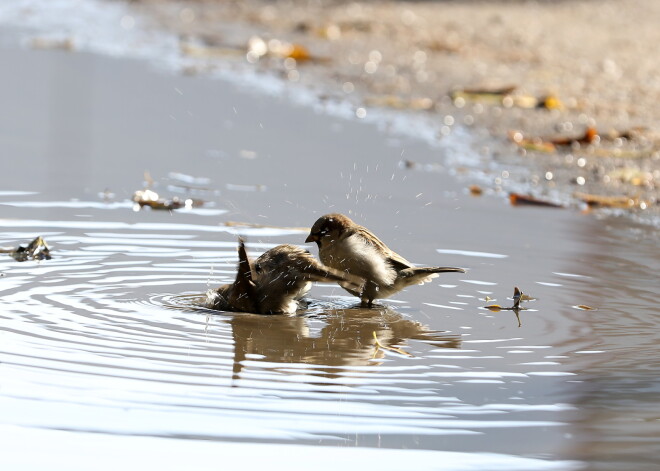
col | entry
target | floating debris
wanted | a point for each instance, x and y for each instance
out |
(517, 199)
(584, 307)
(518, 297)
(151, 199)
(496, 307)
(400, 351)
(396, 102)
(36, 250)
(475, 190)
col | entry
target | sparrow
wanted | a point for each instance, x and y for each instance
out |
(284, 274)
(276, 282)
(351, 248)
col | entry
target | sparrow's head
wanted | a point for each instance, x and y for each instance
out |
(329, 227)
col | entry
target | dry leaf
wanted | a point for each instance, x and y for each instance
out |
(584, 307)
(623, 202)
(590, 135)
(36, 250)
(475, 190)
(151, 199)
(551, 102)
(483, 94)
(517, 199)
(632, 175)
(495, 307)
(535, 144)
(297, 52)
(517, 297)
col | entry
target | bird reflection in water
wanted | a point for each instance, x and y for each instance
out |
(346, 339)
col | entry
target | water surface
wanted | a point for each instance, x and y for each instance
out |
(104, 344)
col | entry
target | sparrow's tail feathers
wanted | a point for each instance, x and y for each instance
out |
(415, 271)
(421, 275)
(242, 296)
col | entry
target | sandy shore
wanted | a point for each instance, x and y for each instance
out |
(525, 76)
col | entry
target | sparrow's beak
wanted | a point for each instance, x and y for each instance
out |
(312, 238)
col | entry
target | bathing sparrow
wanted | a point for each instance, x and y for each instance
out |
(275, 282)
(284, 274)
(351, 248)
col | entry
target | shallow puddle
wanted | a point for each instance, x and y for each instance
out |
(108, 336)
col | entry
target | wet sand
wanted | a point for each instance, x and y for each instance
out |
(597, 59)
(98, 326)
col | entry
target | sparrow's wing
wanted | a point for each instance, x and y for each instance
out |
(313, 270)
(393, 258)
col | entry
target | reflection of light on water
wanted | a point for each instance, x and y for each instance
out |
(179, 368)
(443, 306)
(469, 253)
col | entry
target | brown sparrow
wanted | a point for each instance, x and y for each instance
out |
(351, 248)
(284, 274)
(275, 282)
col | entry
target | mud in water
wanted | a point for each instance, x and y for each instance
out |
(105, 343)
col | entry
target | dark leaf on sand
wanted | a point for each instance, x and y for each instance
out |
(483, 94)
(548, 145)
(36, 250)
(516, 199)
(590, 135)
(533, 144)
(624, 202)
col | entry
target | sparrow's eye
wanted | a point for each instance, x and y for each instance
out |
(257, 268)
